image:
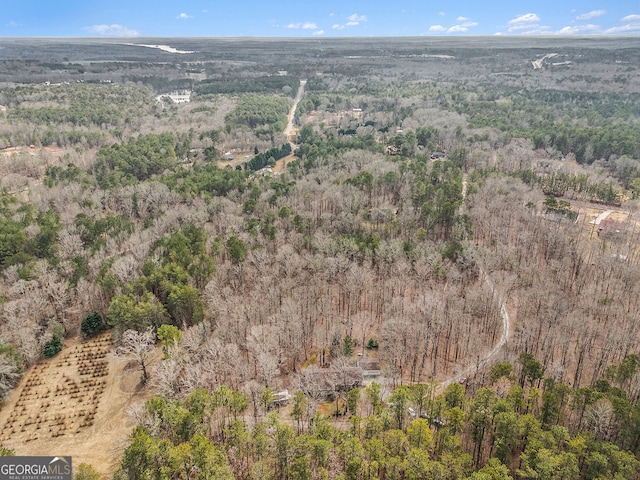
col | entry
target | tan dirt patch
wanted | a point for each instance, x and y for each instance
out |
(30, 150)
(74, 404)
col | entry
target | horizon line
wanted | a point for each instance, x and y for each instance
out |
(322, 37)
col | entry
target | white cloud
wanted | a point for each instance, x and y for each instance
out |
(318, 33)
(352, 21)
(357, 18)
(527, 18)
(632, 25)
(629, 28)
(575, 30)
(113, 30)
(442, 14)
(592, 14)
(303, 26)
(527, 24)
(462, 27)
(183, 16)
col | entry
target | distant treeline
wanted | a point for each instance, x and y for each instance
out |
(138, 159)
(314, 147)
(256, 110)
(269, 157)
(582, 123)
(51, 137)
(574, 186)
(589, 143)
(207, 180)
(77, 115)
(273, 84)
(80, 105)
(161, 84)
(19, 247)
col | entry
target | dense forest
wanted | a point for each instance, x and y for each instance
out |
(470, 233)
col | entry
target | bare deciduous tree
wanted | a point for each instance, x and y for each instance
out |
(138, 346)
(599, 416)
(9, 375)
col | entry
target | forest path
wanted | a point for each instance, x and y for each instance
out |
(288, 131)
(506, 319)
(292, 113)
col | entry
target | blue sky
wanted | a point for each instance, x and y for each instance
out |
(309, 18)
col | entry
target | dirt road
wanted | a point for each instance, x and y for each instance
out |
(292, 113)
(506, 320)
(289, 132)
(491, 355)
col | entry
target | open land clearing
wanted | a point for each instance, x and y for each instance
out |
(74, 404)
(31, 150)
